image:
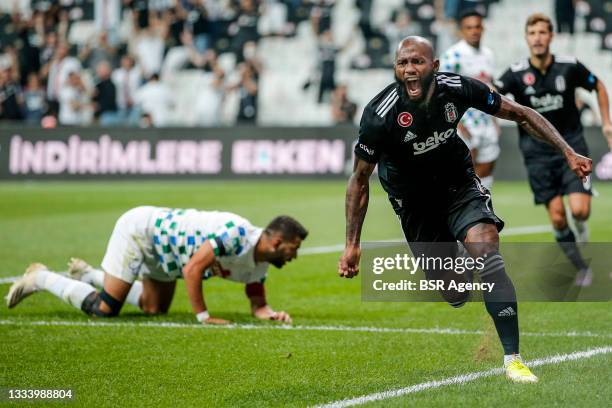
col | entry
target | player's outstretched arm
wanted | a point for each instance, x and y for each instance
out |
(256, 292)
(192, 272)
(356, 206)
(537, 126)
(604, 109)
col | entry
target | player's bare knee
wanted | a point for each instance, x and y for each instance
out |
(153, 309)
(581, 213)
(558, 220)
(481, 240)
(150, 310)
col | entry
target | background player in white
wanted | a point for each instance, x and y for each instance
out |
(161, 245)
(470, 58)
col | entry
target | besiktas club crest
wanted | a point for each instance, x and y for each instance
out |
(450, 112)
(404, 119)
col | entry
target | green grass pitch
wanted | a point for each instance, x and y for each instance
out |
(185, 365)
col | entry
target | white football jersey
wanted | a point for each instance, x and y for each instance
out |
(477, 63)
(178, 233)
(463, 59)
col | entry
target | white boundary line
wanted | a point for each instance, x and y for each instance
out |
(175, 325)
(532, 229)
(462, 379)
(508, 232)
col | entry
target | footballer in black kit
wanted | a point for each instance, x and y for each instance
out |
(423, 165)
(547, 83)
(552, 94)
(410, 130)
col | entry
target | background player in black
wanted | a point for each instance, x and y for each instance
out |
(410, 131)
(547, 83)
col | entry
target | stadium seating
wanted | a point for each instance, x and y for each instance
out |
(291, 61)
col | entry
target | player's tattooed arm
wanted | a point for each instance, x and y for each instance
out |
(538, 126)
(604, 109)
(356, 206)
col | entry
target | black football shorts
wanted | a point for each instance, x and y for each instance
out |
(447, 215)
(553, 178)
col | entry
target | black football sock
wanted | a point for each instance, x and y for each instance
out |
(567, 242)
(501, 302)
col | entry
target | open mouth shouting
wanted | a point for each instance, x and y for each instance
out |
(413, 87)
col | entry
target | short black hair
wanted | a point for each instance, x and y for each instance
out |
(470, 13)
(288, 227)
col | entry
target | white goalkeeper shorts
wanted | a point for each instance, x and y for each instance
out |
(130, 253)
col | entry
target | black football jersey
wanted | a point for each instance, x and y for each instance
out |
(552, 94)
(417, 148)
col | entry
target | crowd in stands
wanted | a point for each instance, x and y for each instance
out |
(55, 72)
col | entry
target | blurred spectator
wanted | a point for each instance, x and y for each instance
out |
(97, 50)
(155, 99)
(250, 58)
(200, 27)
(63, 23)
(34, 96)
(328, 51)
(247, 89)
(26, 51)
(11, 98)
(320, 15)
(61, 65)
(48, 50)
(565, 14)
(10, 61)
(273, 19)
(205, 60)
(146, 121)
(210, 100)
(140, 13)
(245, 27)
(107, 17)
(174, 19)
(105, 96)
(402, 26)
(343, 109)
(74, 102)
(147, 45)
(127, 79)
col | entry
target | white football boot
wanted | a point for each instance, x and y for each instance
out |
(77, 268)
(24, 286)
(584, 277)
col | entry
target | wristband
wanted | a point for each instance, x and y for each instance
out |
(202, 316)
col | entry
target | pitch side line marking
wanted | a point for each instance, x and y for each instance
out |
(462, 379)
(508, 232)
(432, 330)
(532, 229)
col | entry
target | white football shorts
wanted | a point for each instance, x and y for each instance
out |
(484, 138)
(130, 252)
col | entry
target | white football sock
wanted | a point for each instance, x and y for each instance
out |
(582, 229)
(508, 358)
(487, 182)
(94, 277)
(69, 290)
(133, 297)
